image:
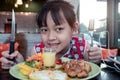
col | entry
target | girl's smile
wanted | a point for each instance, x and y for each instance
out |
(53, 45)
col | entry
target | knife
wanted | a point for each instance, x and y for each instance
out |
(12, 36)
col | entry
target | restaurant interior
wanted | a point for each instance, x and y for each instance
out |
(99, 22)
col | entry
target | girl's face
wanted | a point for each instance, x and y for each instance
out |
(57, 36)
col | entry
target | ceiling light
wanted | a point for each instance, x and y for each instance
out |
(26, 5)
(19, 2)
(16, 5)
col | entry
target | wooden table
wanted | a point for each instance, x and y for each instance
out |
(105, 74)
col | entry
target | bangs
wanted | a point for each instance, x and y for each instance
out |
(55, 8)
(55, 14)
(57, 17)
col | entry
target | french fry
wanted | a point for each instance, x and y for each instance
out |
(26, 73)
(25, 67)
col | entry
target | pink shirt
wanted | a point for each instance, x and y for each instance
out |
(76, 50)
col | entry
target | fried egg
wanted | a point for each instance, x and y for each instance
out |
(48, 75)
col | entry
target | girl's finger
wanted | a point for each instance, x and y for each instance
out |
(14, 55)
(5, 54)
(95, 53)
(6, 66)
(6, 61)
(95, 57)
(93, 49)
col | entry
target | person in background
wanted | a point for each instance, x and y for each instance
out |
(58, 28)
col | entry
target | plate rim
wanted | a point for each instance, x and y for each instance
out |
(99, 69)
(89, 77)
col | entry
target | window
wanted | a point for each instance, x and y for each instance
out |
(92, 16)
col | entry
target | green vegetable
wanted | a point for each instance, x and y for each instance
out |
(31, 63)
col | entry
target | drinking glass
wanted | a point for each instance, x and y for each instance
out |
(49, 57)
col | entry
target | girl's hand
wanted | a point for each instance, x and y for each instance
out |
(94, 54)
(5, 59)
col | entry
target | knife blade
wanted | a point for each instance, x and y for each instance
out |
(12, 36)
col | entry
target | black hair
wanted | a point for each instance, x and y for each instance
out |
(55, 7)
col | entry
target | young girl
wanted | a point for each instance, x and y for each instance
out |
(57, 22)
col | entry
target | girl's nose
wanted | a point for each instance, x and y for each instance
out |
(52, 36)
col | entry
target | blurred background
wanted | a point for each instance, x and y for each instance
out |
(97, 18)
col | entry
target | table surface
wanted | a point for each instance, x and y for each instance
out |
(105, 74)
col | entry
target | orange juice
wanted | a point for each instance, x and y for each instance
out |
(49, 59)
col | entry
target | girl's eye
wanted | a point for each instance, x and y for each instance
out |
(43, 30)
(59, 29)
